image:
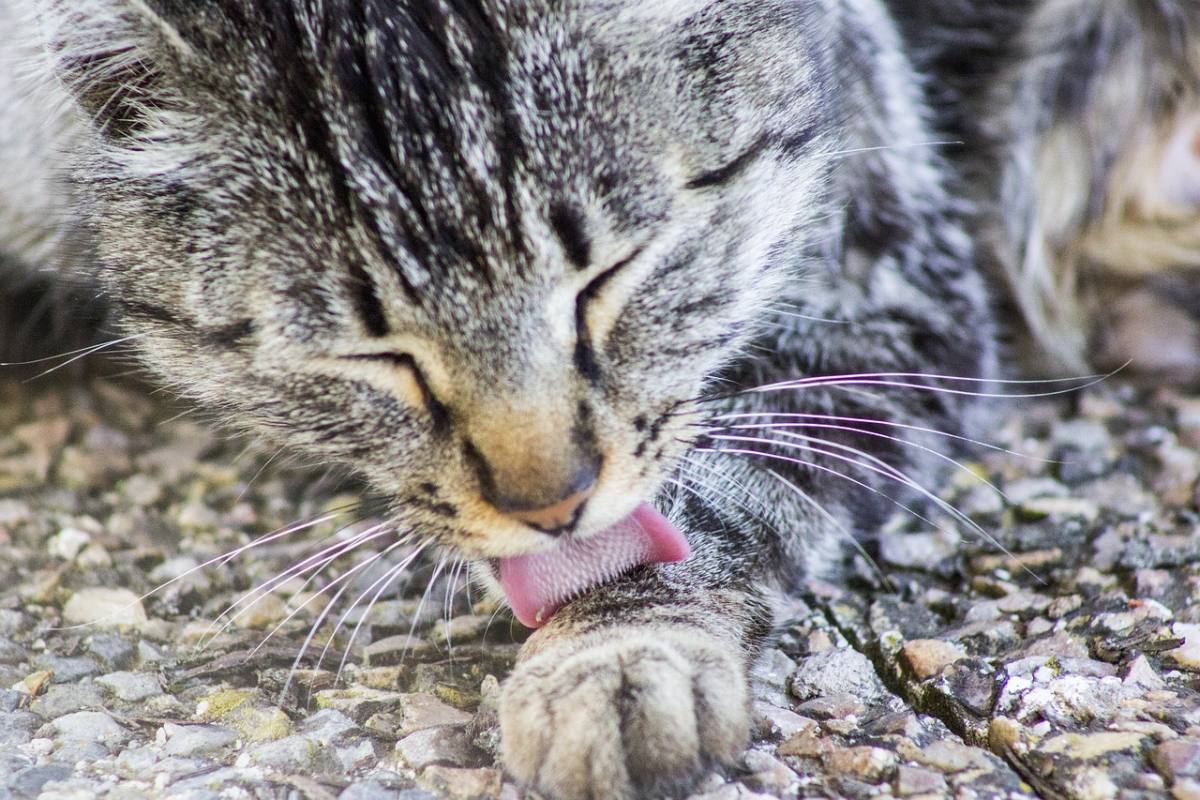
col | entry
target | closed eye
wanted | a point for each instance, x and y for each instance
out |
(405, 361)
(727, 173)
(585, 353)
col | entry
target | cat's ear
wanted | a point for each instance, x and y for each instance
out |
(119, 59)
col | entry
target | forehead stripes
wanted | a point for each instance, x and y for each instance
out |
(416, 111)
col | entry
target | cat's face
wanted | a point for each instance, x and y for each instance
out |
(489, 259)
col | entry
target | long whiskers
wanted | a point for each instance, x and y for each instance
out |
(226, 557)
(869, 421)
(837, 525)
(902, 380)
(381, 585)
(880, 467)
(784, 429)
(319, 622)
(75, 356)
(81, 352)
(335, 582)
(315, 563)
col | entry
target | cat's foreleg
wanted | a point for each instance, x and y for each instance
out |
(638, 689)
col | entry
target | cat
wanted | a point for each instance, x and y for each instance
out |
(645, 308)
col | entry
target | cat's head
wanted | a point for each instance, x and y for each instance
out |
(487, 253)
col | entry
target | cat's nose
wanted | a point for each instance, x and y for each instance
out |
(554, 518)
(549, 500)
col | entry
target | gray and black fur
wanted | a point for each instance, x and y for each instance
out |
(1067, 109)
(481, 251)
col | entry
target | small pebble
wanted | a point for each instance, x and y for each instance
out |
(870, 764)
(131, 686)
(463, 784)
(104, 607)
(928, 657)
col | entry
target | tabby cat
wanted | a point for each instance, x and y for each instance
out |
(644, 307)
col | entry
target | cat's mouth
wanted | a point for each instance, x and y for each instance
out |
(537, 585)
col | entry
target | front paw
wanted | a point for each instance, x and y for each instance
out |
(630, 713)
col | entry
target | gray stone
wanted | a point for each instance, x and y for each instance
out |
(768, 773)
(947, 755)
(834, 706)
(92, 726)
(17, 727)
(360, 702)
(135, 763)
(11, 700)
(11, 652)
(442, 746)
(111, 650)
(131, 686)
(370, 790)
(1142, 674)
(60, 700)
(1022, 491)
(915, 780)
(1081, 434)
(295, 754)
(835, 672)
(327, 726)
(770, 677)
(13, 761)
(206, 784)
(15, 512)
(148, 653)
(867, 764)
(29, 782)
(732, 791)
(972, 684)
(415, 712)
(917, 550)
(13, 621)
(464, 784)
(74, 751)
(192, 740)
(356, 755)
(73, 788)
(776, 724)
(67, 670)
(104, 607)
(392, 650)
(460, 629)
(142, 490)
(1179, 758)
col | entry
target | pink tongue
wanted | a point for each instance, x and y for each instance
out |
(537, 585)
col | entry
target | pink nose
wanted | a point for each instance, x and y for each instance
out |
(555, 517)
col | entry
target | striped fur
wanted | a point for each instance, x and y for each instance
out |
(451, 243)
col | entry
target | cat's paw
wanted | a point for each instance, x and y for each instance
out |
(641, 713)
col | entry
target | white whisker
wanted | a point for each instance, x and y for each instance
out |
(317, 561)
(836, 523)
(82, 352)
(325, 612)
(780, 429)
(886, 423)
(886, 470)
(383, 583)
(362, 565)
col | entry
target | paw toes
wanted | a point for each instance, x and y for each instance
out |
(636, 718)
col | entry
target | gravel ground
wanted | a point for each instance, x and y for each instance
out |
(1067, 666)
